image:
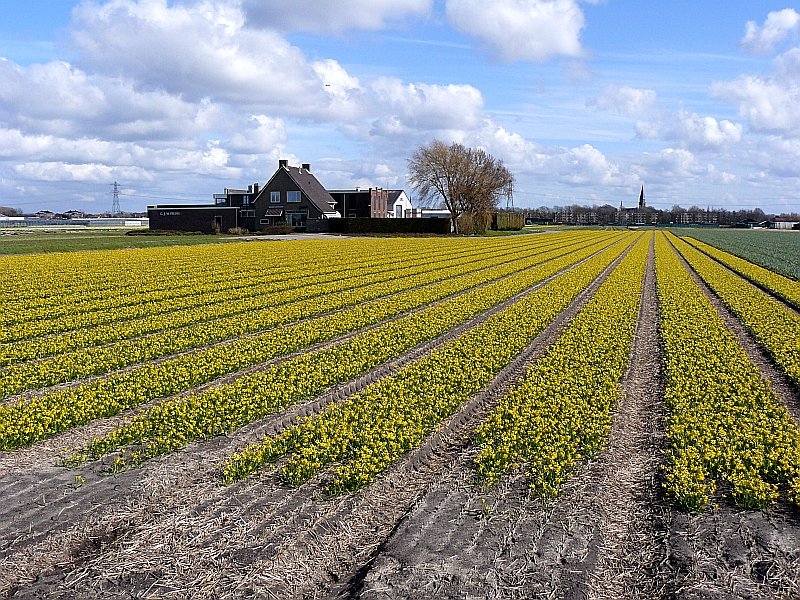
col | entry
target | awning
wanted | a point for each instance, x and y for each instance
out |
(273, 212)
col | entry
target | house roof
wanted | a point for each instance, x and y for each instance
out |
(308, 184)
(312, 188)
(394, 195)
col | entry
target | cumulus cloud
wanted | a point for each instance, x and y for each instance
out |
(700, 132)
(521, 30)
(625, 100)
(778, 25)
(769, 105)
(672, 164)
(85, 172)
(323, 16)
(193, 50)
(77, 103)
(408, 107)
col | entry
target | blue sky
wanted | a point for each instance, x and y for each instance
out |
(584, 101)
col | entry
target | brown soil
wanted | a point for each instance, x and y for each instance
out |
(423, 530)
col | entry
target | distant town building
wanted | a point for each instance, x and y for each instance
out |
(640, 215)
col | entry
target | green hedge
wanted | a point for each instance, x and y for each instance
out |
(367, 225)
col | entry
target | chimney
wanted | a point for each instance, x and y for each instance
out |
(307, 167)
(255, 188)
(283, 163)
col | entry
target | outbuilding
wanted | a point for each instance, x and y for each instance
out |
(184, 217)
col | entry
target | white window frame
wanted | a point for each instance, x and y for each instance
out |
(274, 197)
(293, 194)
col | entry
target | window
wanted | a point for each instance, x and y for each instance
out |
(296, 219)
(293, 196)
(245, 200)
(274, 197)
(247, 213)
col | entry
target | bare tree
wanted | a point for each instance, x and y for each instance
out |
(464, 180)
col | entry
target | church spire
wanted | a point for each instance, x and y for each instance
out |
(641, 199)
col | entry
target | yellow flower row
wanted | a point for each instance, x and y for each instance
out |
(234, 292)
(23, 423)
(84, 277)
(775, 326)
(371, 429)
(253, 307)
(98, 360)
(784, 287)
(174, 422)
(560, 413)
(724, 422)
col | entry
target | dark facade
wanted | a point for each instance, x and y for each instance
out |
(203, 218)
(241, 199)
(362, 204)
(292, 196)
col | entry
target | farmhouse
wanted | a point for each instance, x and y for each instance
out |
(292, 195)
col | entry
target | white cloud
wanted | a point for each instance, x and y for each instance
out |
(80, 104)
(85, 172)
(625, 100)
(671, 166)
(778, 25)
(582, 165)
(787, 67)
(696, 131)
(769, 105)
(521, 30)
(408, 107)
(258, 133)
(196, 51)
(323, 16)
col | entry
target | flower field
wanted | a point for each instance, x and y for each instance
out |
(357, 416)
